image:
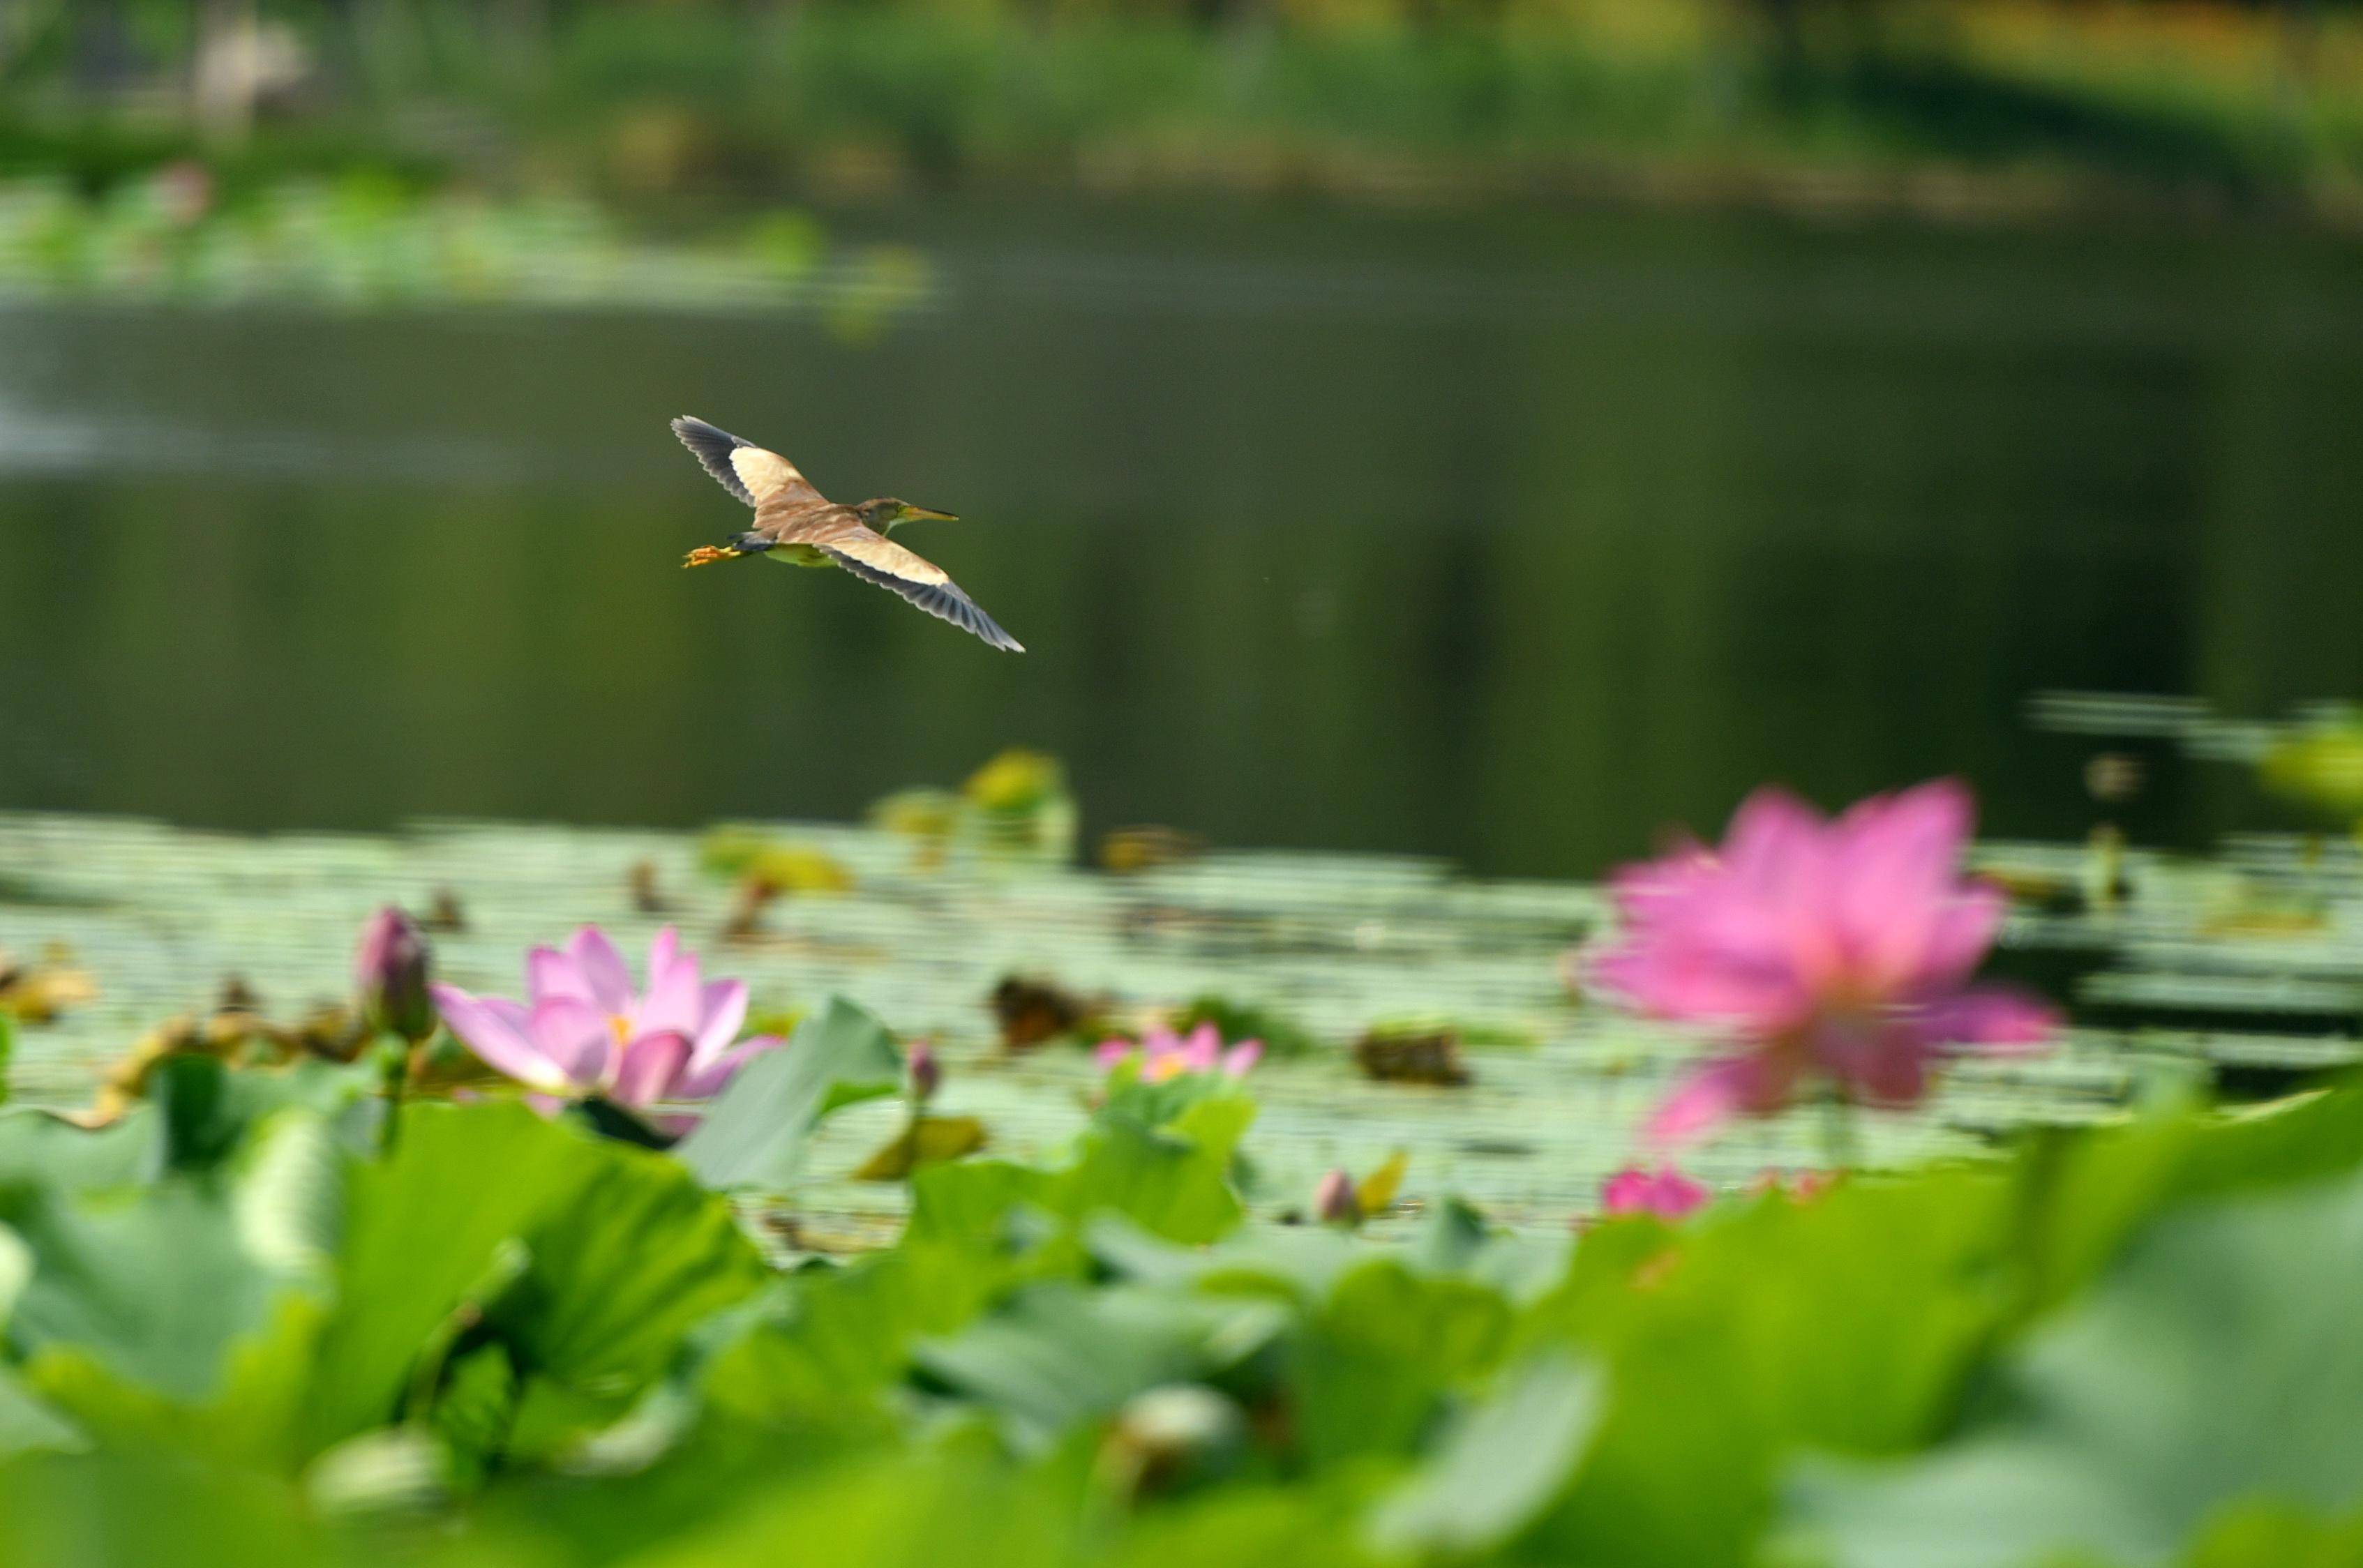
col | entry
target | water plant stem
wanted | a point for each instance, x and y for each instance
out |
(1841, 1139)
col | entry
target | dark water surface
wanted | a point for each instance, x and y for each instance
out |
(1508, 539)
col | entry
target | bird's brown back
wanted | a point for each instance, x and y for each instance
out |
(803, 520)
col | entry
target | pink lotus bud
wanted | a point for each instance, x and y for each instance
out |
(389, 977)
(1333, 1201)
(927, 1074)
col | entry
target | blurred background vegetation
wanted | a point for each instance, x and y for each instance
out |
(675, 105)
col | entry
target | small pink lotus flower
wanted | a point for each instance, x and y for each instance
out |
(1837, 951)
(1666, 1193)
(582, 1030)
(1165, 1056)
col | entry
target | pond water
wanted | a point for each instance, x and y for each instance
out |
(1508, 538)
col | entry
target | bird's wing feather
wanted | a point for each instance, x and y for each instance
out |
(874, 559)
(759, 478)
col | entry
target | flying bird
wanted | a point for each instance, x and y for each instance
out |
(796, 523)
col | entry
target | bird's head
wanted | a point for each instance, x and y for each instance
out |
(886, 511)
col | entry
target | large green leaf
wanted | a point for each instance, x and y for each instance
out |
(1058, 1354)
(2221, 1360)
(1500, 1463)
(755, 1132)
(156, 1287)
(1374, 1363)
(105, 1510)
(589, 1258)
(37, 1147)
(841, 1337)
(1173, 1181)
(2081, 1196)
(1846, 1323)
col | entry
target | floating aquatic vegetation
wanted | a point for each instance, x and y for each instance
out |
(445, 914)
(783, 866)
(1030, 1011)
(1835, 954)
(1127, 850)
(643, 888)
(1019, 803)
(2319, 763)
(1282, 1035)
(1014, 809)
(365, 241)
(766, 868)
(37, 993)
(1415, 1054)
(583, 1033)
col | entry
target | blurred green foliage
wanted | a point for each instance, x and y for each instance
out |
(239, 1331)
(1690, 98)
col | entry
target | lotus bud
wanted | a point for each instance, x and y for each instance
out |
(389, 977)
(927, 1074)
(1335, 1201)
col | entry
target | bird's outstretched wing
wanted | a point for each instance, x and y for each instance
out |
(760, 478)
(873, 557)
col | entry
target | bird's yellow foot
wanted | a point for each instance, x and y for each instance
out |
(707, 555)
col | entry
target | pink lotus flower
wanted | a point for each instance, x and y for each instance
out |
(1164, 1055)
(1666, 1193)
(582, 1030)
(1837, 951)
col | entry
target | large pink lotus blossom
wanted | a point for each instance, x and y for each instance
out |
(1665, 1193)
(1164, 1055)
(583, 1029)
(1836, 950)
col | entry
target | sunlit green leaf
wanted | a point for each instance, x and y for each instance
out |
(2221, 1360)
(754, 1135)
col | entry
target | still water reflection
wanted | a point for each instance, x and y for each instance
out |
(1508, 540)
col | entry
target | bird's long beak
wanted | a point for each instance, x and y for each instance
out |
(921, 514)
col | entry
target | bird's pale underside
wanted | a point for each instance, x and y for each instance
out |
(794, 518)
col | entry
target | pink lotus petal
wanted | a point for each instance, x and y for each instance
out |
(651, 1066)
(1957, 938)
(1108, 1053)
(1201, 1050)
(1887, 1066)
(603, 969)
(550, 973)
(1994, 1017)
(1726, 1086)
(575, 1035)
(1241, 1058)
(1627, 1191)
(493, 1037)
(675, 1002)
(1667, 1194)
(722, 1013)
(664, 951)
(1893, 865)
(702, 1080)
(1775, 842)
